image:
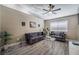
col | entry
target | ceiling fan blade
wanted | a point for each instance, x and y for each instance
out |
(57, 9)
(45, 10)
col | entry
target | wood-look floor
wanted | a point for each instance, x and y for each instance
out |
(44, 47)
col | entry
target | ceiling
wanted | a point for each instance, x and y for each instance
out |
(37, 10)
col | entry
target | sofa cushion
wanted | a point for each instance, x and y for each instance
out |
(40, 33)
(33, 34)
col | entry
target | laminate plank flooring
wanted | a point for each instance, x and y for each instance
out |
(44, 47)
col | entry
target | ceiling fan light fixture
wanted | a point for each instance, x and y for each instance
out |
(51, 9)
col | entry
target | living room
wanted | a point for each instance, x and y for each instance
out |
(40, 34)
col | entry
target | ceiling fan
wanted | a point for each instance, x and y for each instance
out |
(51, 9)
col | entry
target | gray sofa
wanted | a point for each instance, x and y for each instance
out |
(60, 36)
(32, 38)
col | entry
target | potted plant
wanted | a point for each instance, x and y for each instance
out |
(5, 37)
(45, 32)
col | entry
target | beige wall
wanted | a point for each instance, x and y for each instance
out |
(0, 19)
(78, 29)
(11, 22)
(72, 25)
(78, 33)
(0, 24)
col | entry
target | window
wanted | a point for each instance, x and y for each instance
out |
(61, 25)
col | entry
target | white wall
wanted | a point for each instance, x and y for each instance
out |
(12, 23)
